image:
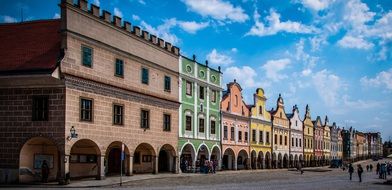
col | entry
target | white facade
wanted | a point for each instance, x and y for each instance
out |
(296, 135)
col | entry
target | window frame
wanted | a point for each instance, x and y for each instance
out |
(44, 111)
(142, 118)
(186, 122)
(121, 75)
(121, 116)
(91, 56)
(143, 70)
(165, 127)
(190, 88)
(225, 132)
(201, 126)
(213, 96)
(212, 121)
(167, 88)
(201, 92)
(81, 110)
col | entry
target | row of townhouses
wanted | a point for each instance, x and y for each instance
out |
(94, 96)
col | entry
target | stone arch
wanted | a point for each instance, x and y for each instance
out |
(291, 160)
(203, 149)
(167, 159)
(296, 161)
(268, 160)
(280, 161)
(113, 158)
(187, 157)
(242, 159)
(215, 153)
(229, 159)
(253, 159)
(144, 159)
(285, 161)
(85, 159)
(260, 160)
(275, 160)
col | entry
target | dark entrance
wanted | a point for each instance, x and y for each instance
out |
(114, 162)
(163, 161)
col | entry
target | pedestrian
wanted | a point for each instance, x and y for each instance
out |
(214, 165)
(371, 167)
(367, 168)
(389, 168)
(44, 171)
(383, 171)
(378, 168)
(300, 168)
(360, 171)
(350, 170)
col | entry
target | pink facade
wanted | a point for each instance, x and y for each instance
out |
(318, 140)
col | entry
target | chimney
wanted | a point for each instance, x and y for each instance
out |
(219, 68)
(168, 46)
(206, 63)
(95, 10)
(136, 29)
(127, 26)
(153, 39)
(145, 35)
(176, 51)
(117, 21)
(106, 15)
(83, 5)
(194, 57)
(161, 43)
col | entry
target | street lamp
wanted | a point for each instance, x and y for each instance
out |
(73, 133)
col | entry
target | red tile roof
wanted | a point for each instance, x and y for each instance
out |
(29, 47)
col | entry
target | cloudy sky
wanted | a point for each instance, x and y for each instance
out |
(335, 55)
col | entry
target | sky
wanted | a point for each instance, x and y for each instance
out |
(335, 55)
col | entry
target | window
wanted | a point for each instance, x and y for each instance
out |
(246, 136)
(146, 158)
(232, 133)
(304, 142)
(239, 135)
(119, 68)
(296, 142)
(267, 137)
(86, 110)
(166, 122)
(225, 132)
(188, 123)
(261, 110)
(188, 88)
(145, 119)
(285, 140)
(213, 96)
(296, 123)
(236, 100)
(212, 126)
(276, 139)
(280, 140)
(253, 135)
(261, 136)
(201, 92)
(40, 108)
(292, 141)
(118, 114)
(167, 83)
(308, 131)
(280, 114)
(144, 76)
(201, 125)
(87, 54)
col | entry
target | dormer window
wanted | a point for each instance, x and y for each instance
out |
(280, 114)
(261, 110)
(236, 100)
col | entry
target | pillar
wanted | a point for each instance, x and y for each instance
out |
(63, 171)
(235, 163)
(176, 165)
(220, 164)
(155, 164)
(101, 167)
(129, 169)
(262, 163)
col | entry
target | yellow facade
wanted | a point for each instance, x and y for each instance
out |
(260, 132)
(308, 138)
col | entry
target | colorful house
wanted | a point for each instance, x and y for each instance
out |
(296, 135)
(260, 133)
(318, 140)
(235, 127)
(199, 129)
(326, 142)
(308, 138)
(340, 144)
(281, 134)
(334, 141)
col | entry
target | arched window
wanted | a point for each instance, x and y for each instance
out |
(236, 100)
(261, 110)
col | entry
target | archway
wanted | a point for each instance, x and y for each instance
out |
(268, 160)
(216, 157)
(285, 161)
(32, 154)
(203, 154)
(242, 160)
(261, 161)
(274, 161)
(228, 159)
(280, 161)
(291, 161)
(295, 160)
(253, 159)
(144, 159)
(113, 159)
(167, 159)
(311, 162)
(84, 159)
(187, 159)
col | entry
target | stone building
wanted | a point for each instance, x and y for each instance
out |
(326, 142)
(296, 137)
(200, 97)
(281, 135)
(349, 144)
(85, 92)
(334, 141)
(235, 128)
(374, 144)
(360, 138)
(260, 133)
(318, 141)
(308, 138)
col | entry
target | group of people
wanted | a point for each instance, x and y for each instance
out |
(204, 166)
(359, 171)
(383, 169)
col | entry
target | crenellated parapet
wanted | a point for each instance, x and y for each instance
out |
(124, 25)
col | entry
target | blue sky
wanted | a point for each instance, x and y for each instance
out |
(335, 55)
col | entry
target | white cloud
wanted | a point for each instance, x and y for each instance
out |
(308, 61)
(135, 17)
(192, 26)
(141, 2)
(275, 25)
(117, 12)
(357, 14)
(273, 68)
(360, 104)
(96, 2)
(306, 72)
(56, 15)
(219, 58)
(355, 42)
(235, 50)
(163, 30)
(245, 75)
(217, 9)
(328, 87)
(9, 19)
(317, 5)
(317, 41)
(384, 79)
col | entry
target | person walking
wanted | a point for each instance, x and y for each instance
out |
(45, 171)
(350, 170)
(371, 167)
(300, 168)
(360, 171)
(378, 168)
(367, 168)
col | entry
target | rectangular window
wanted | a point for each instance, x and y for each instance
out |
(246, 136)
(276, 139)
(225, 132)
(253, 135)
(304, 142)
(167, 83)
(86, 110)
(267, 137)
(119, 68)
(147, 158)
(145, 119)
(201, 92)
(261, 139)
(285, 140)
(232, 133)
(118, 114)
(40, 108)
(280, 139)
(212, 126)
(201, 125)
(292, 141)
(188, 88)
(166, 122)
(296, 142)
(188, 123)
(239, 135)
(144, 76)
(213, 96)
(87, 55)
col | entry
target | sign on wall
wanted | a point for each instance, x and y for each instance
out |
(39, 158)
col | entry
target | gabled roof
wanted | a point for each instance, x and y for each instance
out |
(30, 47)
